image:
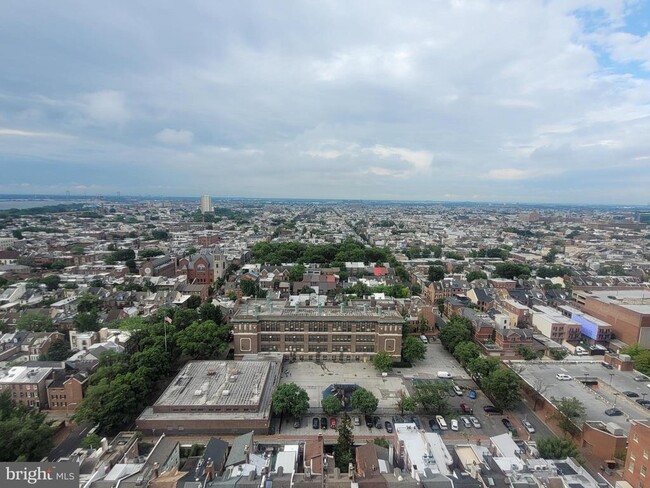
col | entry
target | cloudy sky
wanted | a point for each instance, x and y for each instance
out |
(518, 100)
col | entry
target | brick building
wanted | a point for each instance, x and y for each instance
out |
(343, 333)
(638, 454)
(27, 385)
(65, 393)
(628, 312)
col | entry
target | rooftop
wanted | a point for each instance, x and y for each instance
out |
(22, 374)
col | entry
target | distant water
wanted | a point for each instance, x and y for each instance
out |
(7, 204)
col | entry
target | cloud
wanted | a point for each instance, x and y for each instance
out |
(174, 136)
(509, 174)
(105, 107)
(27, 133)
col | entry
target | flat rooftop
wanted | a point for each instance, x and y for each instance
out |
(635, 300)
(23, 374)
(219, 383)
(282, 309)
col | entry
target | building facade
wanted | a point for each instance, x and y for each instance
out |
(206, 203)
(322, 333)
(638, 455)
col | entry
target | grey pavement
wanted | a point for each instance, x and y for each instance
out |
(604, 393)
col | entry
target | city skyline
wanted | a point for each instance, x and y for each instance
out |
(530, 102)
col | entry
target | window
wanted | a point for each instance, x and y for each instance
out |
(631, 467)
(645, 454)
(643, 470)
(636, 437)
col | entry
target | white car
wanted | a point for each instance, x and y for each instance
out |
(475, 422)
(454, 424)
(528, 426)
(563, 377)
(466, 422)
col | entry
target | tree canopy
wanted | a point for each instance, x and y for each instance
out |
(34, 321)
(364, 401)
(457, 330)
(436, 273)
(331, 404)
(555, 448)
(290, 399)
(413, 349)
(298, 252)
(203, 340)
(511, 270)
(383, 361)
(503, 387)
(433, 397)
(25, 432)
(343, 454)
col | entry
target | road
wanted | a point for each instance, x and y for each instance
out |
(71, 442)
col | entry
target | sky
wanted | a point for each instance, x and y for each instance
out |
(459, 100)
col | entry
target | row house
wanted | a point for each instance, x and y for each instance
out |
(66, 392)
(510, 339)
(551, 323)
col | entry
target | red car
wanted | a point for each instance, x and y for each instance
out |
(333, 423)
(466, 408)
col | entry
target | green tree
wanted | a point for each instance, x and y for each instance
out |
(184, 317)
(503, 386)
(526, 352)
(290, 399)
(58, 351)
(35, 322)
(150, 253)
(88, 303)
(483, 366)
(475, 275)
(436, 273)
(383, 361)
(453, 334)
(86, 322)
(364, 401)
(296, 272)
(331, 404)
(203, 340)
(433, 396)
(91, 441)
(406, 403)
(25, 432)
(465, 352)
(554, 448)
(51, 282)
(78, 250)
(570, 413)
(343, 451)
(160, 235)
(194, 301)
(208, 311)
(413, 349)
(511, 270)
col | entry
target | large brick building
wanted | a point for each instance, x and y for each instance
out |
(628, 312)
(327, 333)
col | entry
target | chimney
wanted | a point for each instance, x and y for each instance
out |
(209, 470)
(154, 473)
(247, 454)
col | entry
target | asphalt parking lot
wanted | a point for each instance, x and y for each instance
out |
(606, 393)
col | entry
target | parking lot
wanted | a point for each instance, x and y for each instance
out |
(316, 377)
(604, 392)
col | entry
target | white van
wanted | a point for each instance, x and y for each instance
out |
(440, 420)
(563, 377)
(444, 374)
(424, 339)
(581, 351)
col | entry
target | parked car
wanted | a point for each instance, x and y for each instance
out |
(507, 424)
(613, 412)
(296, 422)
(417, 423)
(323, 423)
(563, 377)
(333, 423)
(466, 422)
(528, 426)
(397, 419)
(315, 423)
(377, 422)
(369, 423)
(472, 395)
(440, 420)
(444, 374)
(389, 427)
(458, 391)
(606, 365)
(475, 422)
(454, 424)
(434, 425)
(466, 408)
(356, 420)
(641, 378)
(631, 394)
(643, 402)
(492, 409)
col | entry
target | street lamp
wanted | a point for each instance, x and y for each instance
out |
(611, 377)
(643, 395)
(615, 398)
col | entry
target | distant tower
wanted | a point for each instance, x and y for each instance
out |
(206, 203)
